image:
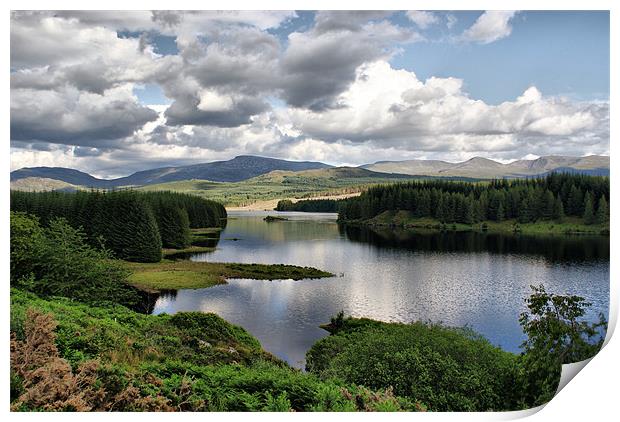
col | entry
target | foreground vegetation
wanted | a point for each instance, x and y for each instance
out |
(456, 369)
(448, 369)
(69, 356)
(167, 275)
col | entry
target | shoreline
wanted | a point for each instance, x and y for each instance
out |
(270, 204)
(400, 220)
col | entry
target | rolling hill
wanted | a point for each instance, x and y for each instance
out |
(239, 168)
(245, 175)
(488, 169)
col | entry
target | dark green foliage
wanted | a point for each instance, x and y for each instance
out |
(588, 209)
(310, 205)
(130, 229)
(59, 262)
(445, 368)
(187, 362)
(131, 224)
(26, 240)
(556, 334)
(200, 212)
(558, 209)
(575, 204)
(526, 200)
(173, 223)
(602, 213)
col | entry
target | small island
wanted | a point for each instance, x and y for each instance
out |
(271, 218)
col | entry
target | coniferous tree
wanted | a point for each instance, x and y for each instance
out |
(588, 213)
(500, 212)
(548, 206)
(173, 224)
(602, 213)
(558, 209)
(575, 202)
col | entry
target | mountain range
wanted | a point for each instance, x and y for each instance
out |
(246, 167)
(484, 168)
(239, 168)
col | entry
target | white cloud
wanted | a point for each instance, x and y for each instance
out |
(422, 19)
(74, 117)
(212, 101)
(393, 108)
(491, 26)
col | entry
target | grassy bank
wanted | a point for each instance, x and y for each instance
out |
(195, 275)
(70, 356)
(405, 219)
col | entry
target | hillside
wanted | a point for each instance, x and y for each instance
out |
(70, 176)
(282, 184)
(484, 168)
(239, 168)
(31, 184)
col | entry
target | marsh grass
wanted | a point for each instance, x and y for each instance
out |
(196, 275)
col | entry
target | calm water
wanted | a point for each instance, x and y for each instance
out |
(479, 280)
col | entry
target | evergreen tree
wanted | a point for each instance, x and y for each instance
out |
(548, 205)
(575, 202)
(558, 209)
(602, 213)
(588, 213)
(173, 224)
(500, 212)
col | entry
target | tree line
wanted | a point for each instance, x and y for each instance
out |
(527, 200)
(309, 205)
(133, 225)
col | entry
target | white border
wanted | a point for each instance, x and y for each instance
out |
(592, 394)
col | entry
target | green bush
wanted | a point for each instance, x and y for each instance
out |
(26, 238)
(556, 334)
(445, 368)
(57, 261)
(187, 362)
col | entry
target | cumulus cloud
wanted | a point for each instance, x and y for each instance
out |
(70, 116)
(491, 26)
(346, 20)
(393, 108)
(422, 18)
(317, 67)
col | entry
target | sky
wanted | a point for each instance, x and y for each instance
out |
(113, 92)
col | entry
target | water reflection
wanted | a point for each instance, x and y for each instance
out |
(573, 248)
(471, 279)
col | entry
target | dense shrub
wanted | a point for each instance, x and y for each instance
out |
(186, 362)
(447, 369)
(57, 261)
